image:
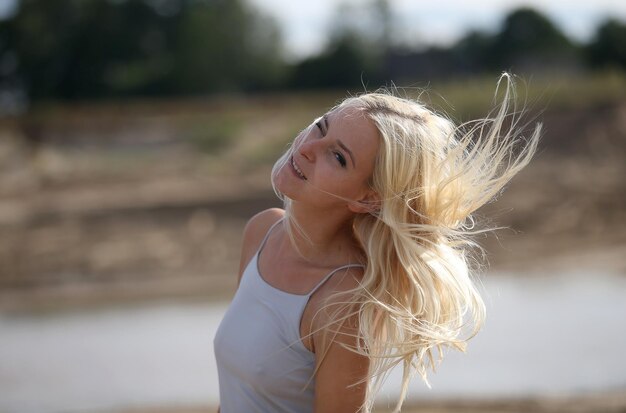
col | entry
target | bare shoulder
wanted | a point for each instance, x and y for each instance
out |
(255, 231)
(258, 225)
(334, 294)
(343, 281)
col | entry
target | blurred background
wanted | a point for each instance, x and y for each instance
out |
(137, 137)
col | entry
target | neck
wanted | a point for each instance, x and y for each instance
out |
(329, 235)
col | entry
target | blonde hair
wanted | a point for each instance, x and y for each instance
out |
(417, 294)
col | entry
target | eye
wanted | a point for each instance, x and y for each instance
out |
(341, 159)
(319, 126)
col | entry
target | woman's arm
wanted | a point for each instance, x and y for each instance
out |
(340, 379)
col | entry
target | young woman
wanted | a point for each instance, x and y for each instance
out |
(367, 266)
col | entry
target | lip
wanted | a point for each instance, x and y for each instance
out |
(294, 171)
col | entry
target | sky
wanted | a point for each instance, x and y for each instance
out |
(306, 23)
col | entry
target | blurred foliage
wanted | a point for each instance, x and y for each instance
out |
(221, 45)
(86, 49)
(358, 41)
(527, 35)
(341, 65)
(97, 48)
(608, 47)
(527, 42)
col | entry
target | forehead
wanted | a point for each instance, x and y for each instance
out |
(352, 124)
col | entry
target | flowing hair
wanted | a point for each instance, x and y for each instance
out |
(418, 294)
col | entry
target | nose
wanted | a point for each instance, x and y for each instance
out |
(309, 148)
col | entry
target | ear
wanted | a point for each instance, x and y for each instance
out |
(369, 204)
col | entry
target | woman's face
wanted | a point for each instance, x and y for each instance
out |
(334, 156)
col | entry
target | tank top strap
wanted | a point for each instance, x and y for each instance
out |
(267, 235)
(330, 274)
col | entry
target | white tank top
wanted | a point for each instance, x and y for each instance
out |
(262, 364)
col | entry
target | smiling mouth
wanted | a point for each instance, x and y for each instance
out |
(297, 169)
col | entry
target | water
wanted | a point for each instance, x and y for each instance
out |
(555, 335)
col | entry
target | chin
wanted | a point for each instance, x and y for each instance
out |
(287, 192)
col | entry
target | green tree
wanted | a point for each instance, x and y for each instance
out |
(474, 52)
(81, 49)
(341, 65)
(360, 35)
(528, 37)
(96, 48)
(120, 49)
(36, 40)
(221, 45)
(608, 47)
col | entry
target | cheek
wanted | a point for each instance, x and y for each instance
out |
(346, 186)
(327, 171)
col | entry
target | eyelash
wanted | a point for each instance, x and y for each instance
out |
(340, 158)
(319, 126)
